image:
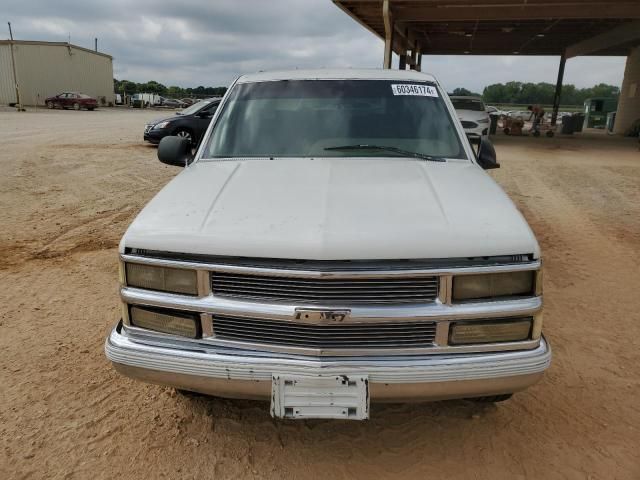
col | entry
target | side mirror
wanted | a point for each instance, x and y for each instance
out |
(204, 114)
(175, 151)
(487, 154)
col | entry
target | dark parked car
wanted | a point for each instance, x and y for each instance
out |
(73, 100)
(189, 123)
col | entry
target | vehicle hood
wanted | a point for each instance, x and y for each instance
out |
(166, 119)
(471, 115)
(332, 209)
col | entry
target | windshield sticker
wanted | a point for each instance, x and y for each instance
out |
(416, 90)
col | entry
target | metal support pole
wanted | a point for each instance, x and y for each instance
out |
(13, 65)
(415, 53)
(419, 65)
(556, 96)
(388, 34)
(402, 62)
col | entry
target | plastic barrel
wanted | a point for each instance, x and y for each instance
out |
(494, 124)
(568, 124)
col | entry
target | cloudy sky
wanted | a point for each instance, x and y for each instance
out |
(210, 42)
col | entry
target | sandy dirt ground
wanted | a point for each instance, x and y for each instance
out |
(72, 181)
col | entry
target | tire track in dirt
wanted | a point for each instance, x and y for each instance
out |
(64, 412)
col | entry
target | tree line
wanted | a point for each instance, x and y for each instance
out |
(519, 93)
(129, 88)
(515, 93)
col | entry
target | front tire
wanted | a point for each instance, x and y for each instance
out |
(492, 398)
(76, 106)
(50, 105)
(188, 394)
(184, 133)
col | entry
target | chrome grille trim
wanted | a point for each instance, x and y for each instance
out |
(343, 336)
(368, 273)
(441, 311)
(392, 291)
(381, 313)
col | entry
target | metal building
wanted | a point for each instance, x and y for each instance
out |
(43, 69)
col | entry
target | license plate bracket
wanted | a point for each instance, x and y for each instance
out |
(336, 396)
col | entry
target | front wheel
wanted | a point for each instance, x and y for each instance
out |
(76, 106)
(492, 398)
(183, 133)
(50, 105)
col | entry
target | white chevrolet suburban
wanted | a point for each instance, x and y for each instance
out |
(333, 241)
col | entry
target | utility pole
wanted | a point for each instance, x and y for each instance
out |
(15, 78)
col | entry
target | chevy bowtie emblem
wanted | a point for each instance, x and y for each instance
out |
(317, 315)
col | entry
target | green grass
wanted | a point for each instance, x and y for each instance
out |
(548, 108)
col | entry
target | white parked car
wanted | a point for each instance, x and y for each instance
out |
(472, 114)
(491, 110)
(334, 241)
(524, 114)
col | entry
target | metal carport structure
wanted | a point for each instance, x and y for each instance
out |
(566, 28)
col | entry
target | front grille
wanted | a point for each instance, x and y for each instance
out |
(467, 124)
(316, 291)
(342, 336)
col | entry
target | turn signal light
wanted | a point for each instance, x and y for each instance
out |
(183, 325)
(490, 332)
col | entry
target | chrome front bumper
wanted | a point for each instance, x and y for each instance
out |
(245, 374)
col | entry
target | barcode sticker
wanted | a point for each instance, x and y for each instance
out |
(412, 89)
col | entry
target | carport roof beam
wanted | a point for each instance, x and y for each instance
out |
(626, 33)
(495, 27)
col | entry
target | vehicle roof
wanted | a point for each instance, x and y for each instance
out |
(338, 74)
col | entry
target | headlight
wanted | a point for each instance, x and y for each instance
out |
(182, 324)
(467, 287)
(161, 125)
(166, 279)
(483, 120)
(490, 332)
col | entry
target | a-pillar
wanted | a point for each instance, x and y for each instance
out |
(629, 102)
(402, 62)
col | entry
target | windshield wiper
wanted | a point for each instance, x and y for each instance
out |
(404, 153)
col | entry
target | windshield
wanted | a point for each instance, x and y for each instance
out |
(318, 118)
(194, 108)
(468, 104)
